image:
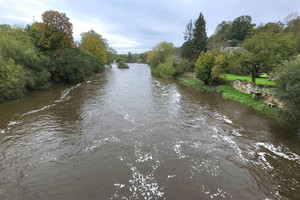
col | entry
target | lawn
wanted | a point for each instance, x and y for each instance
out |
(196, 84)
(229, 92)
(259, 81)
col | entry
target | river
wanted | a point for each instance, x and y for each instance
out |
(127, 135)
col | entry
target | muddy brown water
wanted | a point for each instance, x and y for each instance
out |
(127, 135)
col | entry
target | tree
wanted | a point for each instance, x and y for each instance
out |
(12, 80)
(221, 36)
(130, 57)
(293, 27)
(56, 30)
(241, 28)
(204, 65)
(200, 36)
(270, 27)
(288, 91)
(16, 44)
(160, 53)
(267, 50)
(111, 55)
(93, 43)
(220, 66)
(187, 46)
(72, 65)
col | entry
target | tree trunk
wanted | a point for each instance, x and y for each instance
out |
(253, 77)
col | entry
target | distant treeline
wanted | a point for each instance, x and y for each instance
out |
(34, 57)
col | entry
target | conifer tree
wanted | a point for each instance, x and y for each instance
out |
(200, 36)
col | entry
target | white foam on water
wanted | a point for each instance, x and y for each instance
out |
(203, 166)
(13, 123)
(2, 131)
(38, 110)
(178, 150)
(234, 145)
(264, 162)
(144, 185)
(142, 157)
(219, 193)
(129, 118)
(230, 141)
(236, 133)
(119, 185)
(170, 176)
(224, 118)
(48, 157)
(227, 120)
(64, 94)
(98, 143)
(279, 151)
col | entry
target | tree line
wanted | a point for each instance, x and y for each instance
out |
(237, 47)
(34, 57)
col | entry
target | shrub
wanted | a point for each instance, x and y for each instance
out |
(184, 66)
(166, 70)
(220, 66)
(12, 81)
(73, 65)
(122, 65)
(204, 66)
(288, 91)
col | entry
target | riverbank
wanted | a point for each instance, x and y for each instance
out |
(228, 92)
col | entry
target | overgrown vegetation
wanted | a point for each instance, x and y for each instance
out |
(288, 91)
(45, 52)
(122, 65)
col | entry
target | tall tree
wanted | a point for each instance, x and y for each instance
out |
(293, 27)
(241, 28)
(56, 30)
(130, 57)
(187, 46)
(200, 36)
(93, 43)
(221, 35)
(266, 51)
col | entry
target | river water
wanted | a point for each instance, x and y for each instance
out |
(127, 135)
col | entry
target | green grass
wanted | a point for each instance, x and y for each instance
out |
(196, 84)
(229, 92)
(258, 81)
(264, 76)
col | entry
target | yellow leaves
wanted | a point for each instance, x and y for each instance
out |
(94, 44)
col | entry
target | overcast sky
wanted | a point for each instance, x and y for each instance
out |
(138, 25)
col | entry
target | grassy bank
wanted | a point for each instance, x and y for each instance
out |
(258, 81)
(228, 92)
(196, 84)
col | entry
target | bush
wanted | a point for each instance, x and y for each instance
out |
(184, 66)
(220, 67)
(166, 70)
(288, 91)
(16, 44)
(204, 66)
(12, 81)
(122, 65)
(73, 65)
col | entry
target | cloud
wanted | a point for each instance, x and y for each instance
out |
(138, 25)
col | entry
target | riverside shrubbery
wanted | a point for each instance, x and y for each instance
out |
(44, 52)
(122, 65)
